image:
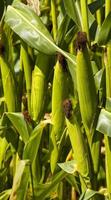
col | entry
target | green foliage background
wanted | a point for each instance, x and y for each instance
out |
(55, 99)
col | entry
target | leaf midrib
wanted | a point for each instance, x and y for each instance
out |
(59, 50)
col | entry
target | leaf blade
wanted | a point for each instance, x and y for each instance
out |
(19, 123)
(104, 123)
(30, 28)
(104, 34)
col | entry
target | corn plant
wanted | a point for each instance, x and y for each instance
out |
(55, 99)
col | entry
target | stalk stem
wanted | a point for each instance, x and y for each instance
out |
(107, 7)
(108, 94)
(54, 18)
(84, 13)
(27, 71)
(98, 16)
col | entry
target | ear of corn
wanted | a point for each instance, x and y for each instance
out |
(3, 148)
(58, 94)
(8, 85)
(85, 83)
(39, 85)
(80, 150)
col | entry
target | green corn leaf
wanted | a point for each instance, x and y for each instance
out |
(5, 194)
(9, 134)
(70, 34)
(61, 34)
(94, 6)
(70, 166)
(104, 122)
(20, 183)
(88, 194)
(24, 22)
(104, 36)
(43, 191)
(73, 11)
(30, 28)
(74, 181)
(8, 85)
(12, 137)
(108, 104)
(32, 146)
(19, 123)
(99, 76)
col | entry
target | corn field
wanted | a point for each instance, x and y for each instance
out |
(55, 99)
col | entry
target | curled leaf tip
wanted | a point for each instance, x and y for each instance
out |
(81, 41)
(62, 61)
(67, 106)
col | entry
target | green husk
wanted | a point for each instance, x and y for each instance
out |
(80, 151)
(86, 89)
(8, 85)
(59, 92)
(39, 85)
(58, 118)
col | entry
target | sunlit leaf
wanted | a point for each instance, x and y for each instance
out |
(104, 122)
(88, 194)
(5, 194)
(45, 190)
(25, 23)
(69, 166)
(98, 78)
(19, 123)
(104, 36)
(32, 146)
(73, 11)
(20, 183)
(30, 28)
(108, 104)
